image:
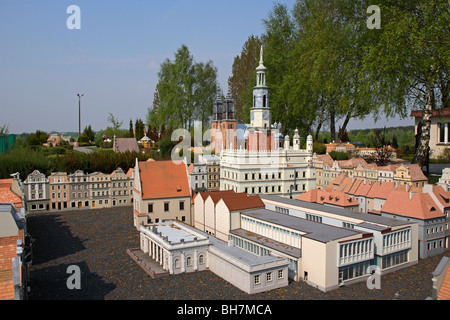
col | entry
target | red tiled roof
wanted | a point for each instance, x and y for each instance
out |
(326, 158)
(363, 188)
(130, 172)
(7, 196)
(441, 112)
(163, 179)
(6, 183)
(242, 201)
(328, 197)
(442, 195)
(419, 205)
(416, 172)
(125, 144)
(444, 291)
(338, 180)
(352, 163)
(381, 190)
(206, 194)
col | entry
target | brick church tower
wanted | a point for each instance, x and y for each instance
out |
(223, 127)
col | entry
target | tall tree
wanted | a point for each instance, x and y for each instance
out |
(184, 91)
(409, 61)
(139, 129)
(243, 77)
(130, 129)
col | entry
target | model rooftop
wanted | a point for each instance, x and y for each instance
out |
(365, 218)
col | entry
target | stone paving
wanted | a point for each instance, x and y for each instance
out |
(97, 242)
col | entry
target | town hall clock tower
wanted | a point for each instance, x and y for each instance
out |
(259, 136)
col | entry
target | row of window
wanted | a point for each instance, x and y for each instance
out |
(281, 210)
(402, 237)
(435, 244)
(354, 271)
(94, 194)
(270, 231)
(394, 259)
(269, 276)
(355, 250)
(313, 217)
(437, 229)
(166, 206)
(177, 264)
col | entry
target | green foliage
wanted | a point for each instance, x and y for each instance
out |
(184, 93)
(319, 148)
(37, 139)
(242, 79)
(338, 155)
(166, 146)
(25, 160)
(139, 129)
(83, 140)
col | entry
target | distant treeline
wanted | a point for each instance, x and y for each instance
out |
(397, 137)
(25, 160)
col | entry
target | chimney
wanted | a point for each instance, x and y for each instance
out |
(427, 188)
(411, 193)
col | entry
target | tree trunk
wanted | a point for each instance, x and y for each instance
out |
(319, 126)
(332, 124)
(422, 151)
(344, 125)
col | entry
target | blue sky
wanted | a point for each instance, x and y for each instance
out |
(114, 58)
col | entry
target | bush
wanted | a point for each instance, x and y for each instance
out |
(339, 155)
(319, 148)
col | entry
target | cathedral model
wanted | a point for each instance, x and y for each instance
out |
(264, 162)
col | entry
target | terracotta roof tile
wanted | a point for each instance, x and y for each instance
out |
(125, 144)
(164, 179)
(6, 183)
(364, 188)
(381, 190)
(242, 201)
(220, 193)
(417, 205)
(416, 172)
(7, 196)
(442, 196)
(326, 158)
(328, 197)
(444, 291)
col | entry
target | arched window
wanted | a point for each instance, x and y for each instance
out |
(176, 263)
(188, 261)
(201, 259)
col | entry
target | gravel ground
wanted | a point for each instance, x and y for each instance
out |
(96, 241)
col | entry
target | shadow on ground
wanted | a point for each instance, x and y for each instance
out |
(52, 283)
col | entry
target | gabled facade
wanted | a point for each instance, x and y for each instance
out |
(79, 190)
(161, 191)
(99, 189)
(59, 189)
(119, 188)
(36, 189)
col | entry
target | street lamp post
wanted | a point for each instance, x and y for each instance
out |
(79, 114)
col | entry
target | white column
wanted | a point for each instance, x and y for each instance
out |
(195, 260)
(446, 133)
(183, 262)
